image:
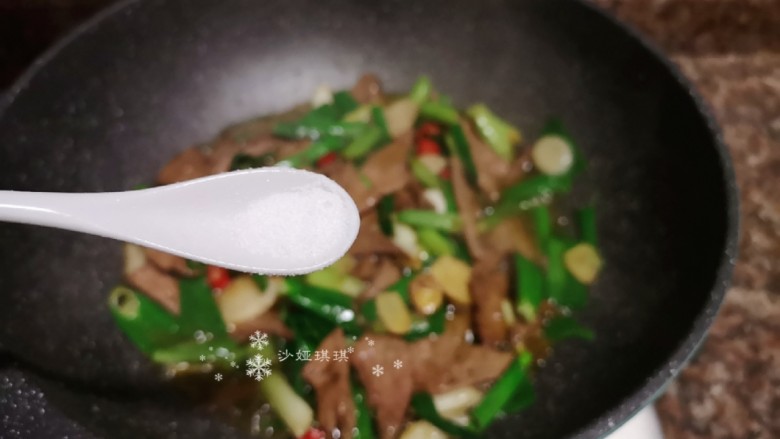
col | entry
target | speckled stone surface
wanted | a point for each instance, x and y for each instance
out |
(731, 51)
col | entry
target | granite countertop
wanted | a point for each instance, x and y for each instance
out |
(731, 51)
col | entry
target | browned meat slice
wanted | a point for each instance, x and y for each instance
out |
(519, 168)
(368, 89)
(168, 262)
(488, 286)
(287, 148)
(388, 389)
(268, 322)
(473, 365)
(371, 240)
(386, 274)
(346, 175)
(518, 332)
(161, 287)
(224, 153)
(387, 168)
(448, 362)
(330, 379)
(221, 156)
(491, 168)
(366, 266)
(469, 208)
(411, 197)
(262, 145)
(513, 236)
(432, 356)
(189, 164)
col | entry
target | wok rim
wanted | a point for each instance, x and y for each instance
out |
(656, 383)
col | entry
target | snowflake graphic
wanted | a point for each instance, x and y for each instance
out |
(350, 349)
(232, 364)
(218, 377)
(370, 342)
(258, 367)
(398, 364)
(202, 358)
(258, 340)
(378, 370)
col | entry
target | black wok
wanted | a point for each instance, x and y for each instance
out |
(108, 106)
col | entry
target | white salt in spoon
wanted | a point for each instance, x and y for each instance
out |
(269, 220)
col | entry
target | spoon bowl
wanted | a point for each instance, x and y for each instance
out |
(271, 220)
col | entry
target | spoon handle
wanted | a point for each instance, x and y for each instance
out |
(52, 209)
(39, 208)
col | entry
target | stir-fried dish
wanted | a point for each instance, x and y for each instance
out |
(464, 275)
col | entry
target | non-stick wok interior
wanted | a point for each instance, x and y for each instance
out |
(108, 109)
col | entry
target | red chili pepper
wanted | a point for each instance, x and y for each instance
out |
(445, 173)
(427, 146)
(313, 433)
(326, 159)
(428, 129)
(217, 277)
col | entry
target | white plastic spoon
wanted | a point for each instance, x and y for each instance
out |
(268, 220)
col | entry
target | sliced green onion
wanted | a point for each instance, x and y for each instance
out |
(314, 152)
(332, 279)
(532, 188)
(501, 393)
(261, 281)
(436, 243)
(144, 322)
(365, 429)
(586, 218)
(401, 287)
(423, 406)
(562, 287)
(439, 111)
(199, 311)
(575, 295)
(555, 127)
(423, 327)
(449, 195)
(552, 155)
(556, 271)
(244, 161)
(323, 120)
(524, 395)
(288, 405)
(421, 90)
(343, 102)
(423, 174)
(364, 143)
(328, 304)
(542, 225)
(191, 351)
(309, 327)
(459, 146)
(385, 211)
(500, 135)
(529, 287)
(378, 116)
(448, 222)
